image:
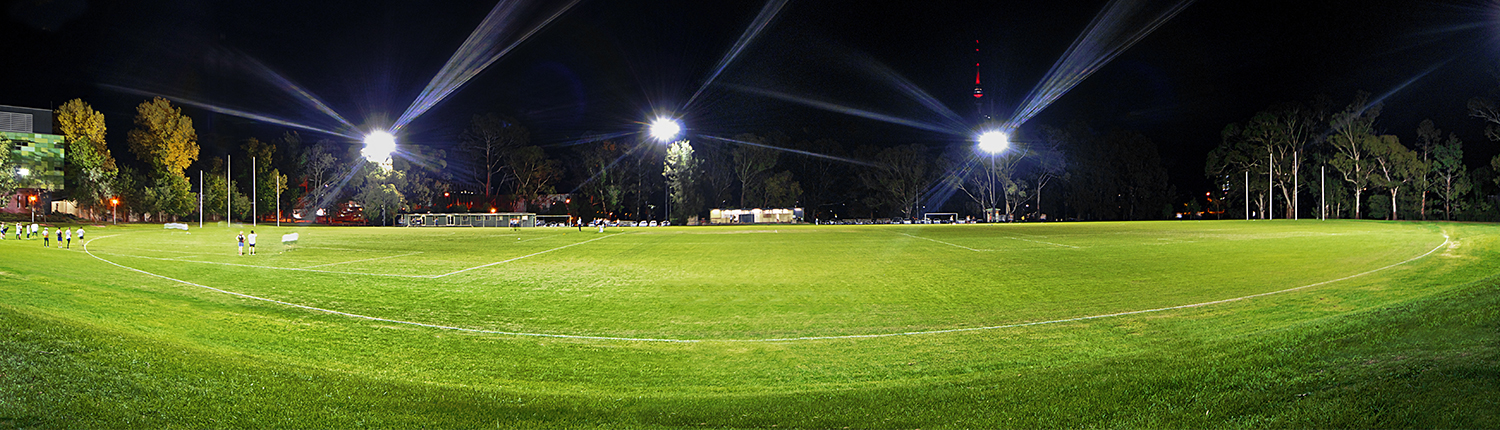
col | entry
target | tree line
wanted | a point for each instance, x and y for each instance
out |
(1315, 159)
(1072, 172)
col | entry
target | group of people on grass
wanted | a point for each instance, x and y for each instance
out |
(242, 238)
(64, 235)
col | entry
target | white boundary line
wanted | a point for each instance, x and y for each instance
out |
(524, 256)
(1045, 243)
(308, 269)
(946, 243)
(1446, 240)
(367, 259)
(176, 259)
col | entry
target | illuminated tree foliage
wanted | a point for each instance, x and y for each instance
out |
(681, 172)
(164, 139)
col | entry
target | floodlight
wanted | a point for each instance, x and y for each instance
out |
(665, 129)
(994, 141)
(24, 171)
(378, 146)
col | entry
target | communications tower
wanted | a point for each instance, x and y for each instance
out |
(980, 113)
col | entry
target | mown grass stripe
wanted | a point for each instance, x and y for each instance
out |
(1446, 240)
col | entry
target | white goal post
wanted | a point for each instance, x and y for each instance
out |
(943, 216)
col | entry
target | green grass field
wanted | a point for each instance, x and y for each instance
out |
(1145, 324)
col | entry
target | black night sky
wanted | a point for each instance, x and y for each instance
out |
(604, 66)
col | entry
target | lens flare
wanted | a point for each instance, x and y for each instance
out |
(796, 151)
(994, 142)
(293, 89)
(832, 107)
(1116, 28)
(228, 111)
(763, 19)
(476, 54)
(378, 146)
(665, 129)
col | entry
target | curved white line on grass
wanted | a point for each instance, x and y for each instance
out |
(306, 269)
(1446, 240)
(946, 243)
(524, 256)
(311, 308)
(1044, 243)
(367, 259)
(178, 259)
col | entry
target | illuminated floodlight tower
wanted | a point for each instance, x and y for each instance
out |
(993, 143)
(378, 148)
(665, 129)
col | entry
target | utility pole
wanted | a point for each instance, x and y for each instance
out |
(201, 191)
(254, 187)
(228, 194)
(1247, 194)
(1270, 185)
(278, 200)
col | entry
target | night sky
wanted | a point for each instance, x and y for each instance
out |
(604, 66)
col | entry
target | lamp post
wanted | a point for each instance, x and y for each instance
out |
(993, 143)
(30, 198)
(113, 203)
(665, 130)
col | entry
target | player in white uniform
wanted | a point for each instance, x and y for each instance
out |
(252, 242)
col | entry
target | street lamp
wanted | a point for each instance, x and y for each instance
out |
(665, 130)
(993, 143)
(31, 203)
(113, 203)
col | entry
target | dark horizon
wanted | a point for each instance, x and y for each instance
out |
(602, 67)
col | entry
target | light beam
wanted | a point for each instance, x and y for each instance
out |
(230, 112)
(1106, 37)
(797, 151)
(833, 107)
(763, 19)
(474, 55)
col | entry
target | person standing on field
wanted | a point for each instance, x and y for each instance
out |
(241, 239)
(45, 238)
(59, 234)
(252, 242)
(69, 236)
(80, 234)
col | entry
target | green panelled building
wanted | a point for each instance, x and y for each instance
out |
(36, 154)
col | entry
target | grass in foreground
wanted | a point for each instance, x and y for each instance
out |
(1414, 347)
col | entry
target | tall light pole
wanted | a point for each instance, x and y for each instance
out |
(228, 192)
(201, 192)
(254, 188)
(278, 200)
(30, 198)
(665, 130)
(115, 202)
(993, 143)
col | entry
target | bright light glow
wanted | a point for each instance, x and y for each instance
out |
(665, 129)
(24, 171)
(993, 142)
(379, 146)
